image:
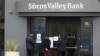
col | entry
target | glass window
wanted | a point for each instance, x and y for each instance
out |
(86, 37)
(38, 27)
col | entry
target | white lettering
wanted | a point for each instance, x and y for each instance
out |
(81, 5)
(57, 6)
(75, 6)
(29, 6)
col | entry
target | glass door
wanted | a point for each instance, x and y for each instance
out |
(76, 30)
(69, 27)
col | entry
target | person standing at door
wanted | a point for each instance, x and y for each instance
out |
(30, 44)
(61, 44)
(46, 45)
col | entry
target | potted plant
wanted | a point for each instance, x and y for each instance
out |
(12, 48)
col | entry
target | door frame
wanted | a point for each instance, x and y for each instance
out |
(63, 31)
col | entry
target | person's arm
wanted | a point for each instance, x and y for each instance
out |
(33, 41)
(28, 45)
(49, 43)
(43, 43)
(58, 43)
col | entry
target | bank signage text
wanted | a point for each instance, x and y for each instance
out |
(56, 5)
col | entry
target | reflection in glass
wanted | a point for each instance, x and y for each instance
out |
(86, 37)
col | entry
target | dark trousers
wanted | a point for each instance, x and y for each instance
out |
(30, 52)
(41, 54)
(61, 53)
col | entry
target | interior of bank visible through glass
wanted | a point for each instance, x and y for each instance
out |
(77, 31)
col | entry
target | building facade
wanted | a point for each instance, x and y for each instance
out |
(79, 20)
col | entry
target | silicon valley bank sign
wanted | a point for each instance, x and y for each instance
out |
(56, 5)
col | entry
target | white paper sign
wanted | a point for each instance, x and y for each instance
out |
(38, 38)
(51, 40)
(55, 38)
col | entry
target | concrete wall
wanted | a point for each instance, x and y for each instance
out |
(15, 26)
(96, 36)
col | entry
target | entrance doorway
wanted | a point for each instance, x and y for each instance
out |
(69, 27)
(77, 31)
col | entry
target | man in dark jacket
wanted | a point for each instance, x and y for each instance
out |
(61, 44)
(30, 45)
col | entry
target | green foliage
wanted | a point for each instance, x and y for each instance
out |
(12, 45)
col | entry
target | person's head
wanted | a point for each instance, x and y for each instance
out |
(46, 37)
(59, 36)
(31, 34)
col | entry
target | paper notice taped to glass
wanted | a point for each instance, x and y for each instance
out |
(51, 40)
(55, 38)
(38, 38)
